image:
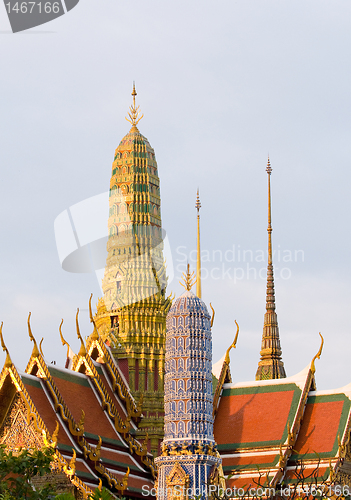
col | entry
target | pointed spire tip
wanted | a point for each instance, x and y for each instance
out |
(268, 168)
(198, 263)
(134, 113)
(188, 279)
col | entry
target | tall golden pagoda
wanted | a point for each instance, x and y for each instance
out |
(270, 365)
(132, 313)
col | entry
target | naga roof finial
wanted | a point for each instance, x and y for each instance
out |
(318, 355)
(189, 279)
(82, 350)
(64, 342)
(134, 112)
(233, 345)
(8, 361)
(40, 347)
(95, 334)
(35, 352)
(198, 264)
(213, 315)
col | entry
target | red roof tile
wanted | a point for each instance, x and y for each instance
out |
(78, 395)
(319, 427)
(46, 412)
(252, 418)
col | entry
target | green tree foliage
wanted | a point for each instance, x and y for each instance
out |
(17, 470)
(98, 494)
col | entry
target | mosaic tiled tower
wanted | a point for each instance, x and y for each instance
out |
(132, 313)
(189, 456)
(270, 365)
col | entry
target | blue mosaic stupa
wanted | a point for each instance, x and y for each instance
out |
(189, 455)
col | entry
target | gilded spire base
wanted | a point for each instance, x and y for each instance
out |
(271, 370)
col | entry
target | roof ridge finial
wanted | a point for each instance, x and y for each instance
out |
(82, 350)
(213, 315)
(40, 347)
(95, 334)
(64, 342)
(35, 352)
(134, 112)
(270, 365)
(318, 355)
(8, 361)
(233, 345)
(198, 265)
(189, 279)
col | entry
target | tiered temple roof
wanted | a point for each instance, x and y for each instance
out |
(87, 413)
(282, 429)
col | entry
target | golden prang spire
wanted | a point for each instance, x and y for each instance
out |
(133, 114)
(189, 279)
(270, 365)
(198, 265)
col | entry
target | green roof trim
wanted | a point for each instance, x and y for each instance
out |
(260, 389)
(30, 381)
(118, 464)
(69, 375)
(85, 475)
(228, 468)
(99, 370)
(65, 447)
(105, 440)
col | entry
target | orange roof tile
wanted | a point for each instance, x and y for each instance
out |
(45, 409)
(324, 419)
(78, 395)
(111, 393)
(255, 416)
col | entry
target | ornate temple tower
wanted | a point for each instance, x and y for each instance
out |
(270, 365)
(132, 313)
(189, 456)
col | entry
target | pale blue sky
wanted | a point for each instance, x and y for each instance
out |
(221, 84)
